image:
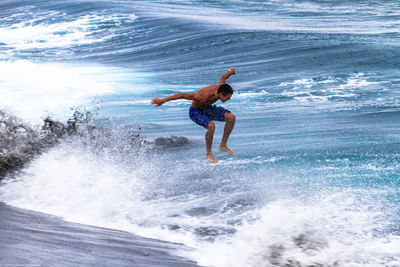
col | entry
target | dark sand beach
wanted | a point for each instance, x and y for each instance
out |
(34, 239)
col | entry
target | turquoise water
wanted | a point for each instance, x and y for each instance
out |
(316, 175)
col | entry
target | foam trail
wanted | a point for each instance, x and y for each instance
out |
(280, 20)
(54, 29)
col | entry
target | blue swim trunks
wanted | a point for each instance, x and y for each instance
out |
(204, 116)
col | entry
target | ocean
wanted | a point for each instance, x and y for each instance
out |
(316, 178)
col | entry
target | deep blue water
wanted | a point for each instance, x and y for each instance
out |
(316, 175)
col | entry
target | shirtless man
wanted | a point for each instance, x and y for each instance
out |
(204, 113)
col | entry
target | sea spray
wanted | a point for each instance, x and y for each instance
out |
(21, 142)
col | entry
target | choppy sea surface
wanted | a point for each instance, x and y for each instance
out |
(315, 181)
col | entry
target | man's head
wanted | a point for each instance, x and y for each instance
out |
(225, 91)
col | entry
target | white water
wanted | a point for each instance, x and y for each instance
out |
(36, 90)
(64, 32)
(331, 227)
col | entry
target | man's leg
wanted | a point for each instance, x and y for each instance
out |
(209, 140)
(230, 123)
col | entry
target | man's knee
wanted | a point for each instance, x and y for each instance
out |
(211, 126)
(230, 117)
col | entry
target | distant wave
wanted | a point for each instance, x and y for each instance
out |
(311, 16)
(41, 29)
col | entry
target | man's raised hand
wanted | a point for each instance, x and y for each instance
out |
(156, 102)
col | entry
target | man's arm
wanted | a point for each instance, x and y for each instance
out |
(226, 75)
(158, 101)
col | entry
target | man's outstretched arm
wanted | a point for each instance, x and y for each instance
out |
(226, 75)
(159, 101)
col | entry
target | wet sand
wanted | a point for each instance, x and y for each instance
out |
(29, 238)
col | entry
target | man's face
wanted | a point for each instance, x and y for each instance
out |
(225, 98)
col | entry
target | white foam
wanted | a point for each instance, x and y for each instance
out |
(80, 186)
(34, 90)
(129, 102)
(322, 91)
(245, 162)
(304, 81)
(249, 94)
(40, 33)
(356, 81)
(238, 18)
(333, 230)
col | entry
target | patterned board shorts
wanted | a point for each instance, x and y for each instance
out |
(205, 115)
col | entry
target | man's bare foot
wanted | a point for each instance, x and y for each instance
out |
(211, 158)
(227, 150)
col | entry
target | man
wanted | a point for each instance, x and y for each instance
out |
(204, 113)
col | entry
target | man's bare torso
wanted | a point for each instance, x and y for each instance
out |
(208, 95)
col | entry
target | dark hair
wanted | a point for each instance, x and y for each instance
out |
(225, 89)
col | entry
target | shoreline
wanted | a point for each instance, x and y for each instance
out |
(31, 238)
